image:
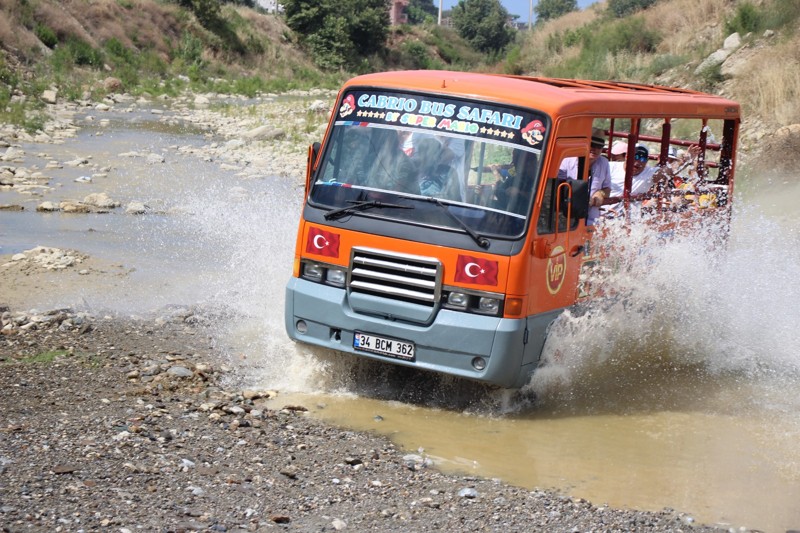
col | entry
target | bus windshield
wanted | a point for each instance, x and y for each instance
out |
(481, 179)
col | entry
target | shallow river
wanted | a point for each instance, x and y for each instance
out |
(685, 395)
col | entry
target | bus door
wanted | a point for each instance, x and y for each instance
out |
(560, 241)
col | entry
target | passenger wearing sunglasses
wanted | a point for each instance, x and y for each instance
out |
(641, 178)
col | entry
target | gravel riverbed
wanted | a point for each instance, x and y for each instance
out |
(123, 423)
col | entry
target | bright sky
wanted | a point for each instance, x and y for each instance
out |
(515, 7)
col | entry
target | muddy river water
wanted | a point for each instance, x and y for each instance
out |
(685, 395)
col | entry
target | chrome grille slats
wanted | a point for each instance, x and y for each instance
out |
(403, 277)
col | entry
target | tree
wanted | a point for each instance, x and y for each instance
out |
(339, 32)
(623, 8)
(552, 9)
(419, 11)
(483, 24)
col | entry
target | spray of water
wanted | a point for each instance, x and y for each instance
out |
(701, 307)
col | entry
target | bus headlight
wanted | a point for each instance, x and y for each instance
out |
(478, 302)
(313, 271)
(488, 306)
(457, 300)
(335, 276)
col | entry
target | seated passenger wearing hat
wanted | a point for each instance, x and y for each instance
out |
(618, 150)
(641, 177)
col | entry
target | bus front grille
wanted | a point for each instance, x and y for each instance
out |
(402, 277)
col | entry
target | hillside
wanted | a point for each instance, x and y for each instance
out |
(164, 36)
(690, 43)
(85, 49)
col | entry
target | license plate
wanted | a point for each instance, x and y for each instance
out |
(383, 346)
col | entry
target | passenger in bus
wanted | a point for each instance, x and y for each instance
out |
(619, 149)
(642, 175)
(392, 170)
(512, 191)
(688, 189)
(353, 156)
(642, 180)
(436, 177)
(599, 175)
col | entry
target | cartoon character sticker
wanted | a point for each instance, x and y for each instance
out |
(348, 106)
(533, 133)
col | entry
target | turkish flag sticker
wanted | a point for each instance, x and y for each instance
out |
(476, 270)
(322, 242)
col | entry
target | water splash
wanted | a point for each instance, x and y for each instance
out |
(686, 306)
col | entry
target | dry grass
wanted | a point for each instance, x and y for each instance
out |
(146, 24)
(535, 42)
(772, 95)
(689, 25)
(13, 37)
(57, 17)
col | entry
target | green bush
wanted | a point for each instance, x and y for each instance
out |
(84, 55)
(8, 78)
(46, 35)
(417, 54)
(554, 43)
(75, 52)
(623, 8)
(663, 63)
(451, 49)
(119, 53)
(553, 9)
(629, 35)
(747, 19)
(190, 49)
(513, 62)
(782, 14)
(483, 24)
(601, 39)
(710, 77)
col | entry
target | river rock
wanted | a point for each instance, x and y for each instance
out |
(50, 96)
(12, 154)
(101, 200)
(180, 372)
(136, 208)
(48, 206)
(112, 84)
(264, 132)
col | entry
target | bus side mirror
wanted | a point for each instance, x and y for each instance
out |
(313, 154)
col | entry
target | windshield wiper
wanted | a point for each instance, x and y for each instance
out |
(359, 205)
(479, 239)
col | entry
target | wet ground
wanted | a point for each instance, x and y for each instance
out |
(684, 397)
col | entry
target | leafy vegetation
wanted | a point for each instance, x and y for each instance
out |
(623, 8)
(421, 11)
(45, 357)
(338, 33)
(482, 23)
(552, 9)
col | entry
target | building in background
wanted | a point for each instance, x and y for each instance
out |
(397, 12)
(270, 6)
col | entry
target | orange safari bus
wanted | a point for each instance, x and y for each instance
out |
(437, 232)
